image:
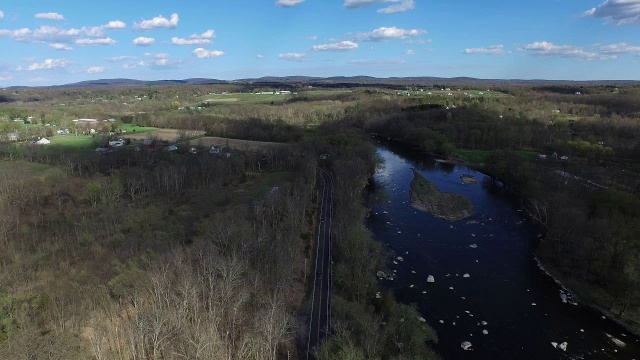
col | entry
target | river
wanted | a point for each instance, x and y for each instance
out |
(505, 289)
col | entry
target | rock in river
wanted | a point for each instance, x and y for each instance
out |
(425, 196)
(468, 179)
(431, 279)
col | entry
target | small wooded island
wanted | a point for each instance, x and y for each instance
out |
(425, 196)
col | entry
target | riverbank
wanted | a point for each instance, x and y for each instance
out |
(593, 297)
(588, 295)
(426, 196)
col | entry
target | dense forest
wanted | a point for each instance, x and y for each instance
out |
(163, 255)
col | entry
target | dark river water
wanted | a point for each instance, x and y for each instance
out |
(505, 289)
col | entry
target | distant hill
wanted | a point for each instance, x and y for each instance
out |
(132, 82)
(352, 81)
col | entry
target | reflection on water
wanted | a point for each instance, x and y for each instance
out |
(488, 289)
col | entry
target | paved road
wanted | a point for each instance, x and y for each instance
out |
(321, 295)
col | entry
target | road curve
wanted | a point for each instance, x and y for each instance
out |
(319, 324)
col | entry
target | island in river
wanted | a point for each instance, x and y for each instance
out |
(426, 196)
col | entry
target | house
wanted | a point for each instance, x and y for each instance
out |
(86, 121)
(214, 150)
(63, 132)
(43, 141)
(12, 136)
(116, 143)
(171, 148)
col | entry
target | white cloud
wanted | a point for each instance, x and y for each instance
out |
(339, 46)
(94, 42)
(491, 50)
(355, 4)
(138, 64)
(160, 61)
(619, 12)
(419, 41)
(260, 56)
(5, 77)
(47, 33)
(37, 79)
(404, 5)
(158, 22)
(120, 58)
(195, 39)
(143, 41)
(313, 38)
(57, 46)
(410, 52)
(622, 48)
(206, 54)
(1, 14)
(96, 70)
(288, 3)
(377, 62)
(49, 16)
(395, 7)
(292, 56)
(49, 64)
(547, 49)
(115, 25)
(389, 33)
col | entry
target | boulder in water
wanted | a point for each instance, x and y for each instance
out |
(466, 346)
(618, 342)
(431, 279)
(466, 276)
(563, 346)
(554, 344)
(468, 179)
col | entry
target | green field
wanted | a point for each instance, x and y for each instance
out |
(131, 128)
(72, 141)
(253, 98)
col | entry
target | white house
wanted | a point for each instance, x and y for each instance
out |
(43, 141)
(116, 143)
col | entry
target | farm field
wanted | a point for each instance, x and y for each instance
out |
(162, 134)
(253, 98)
(72, 141)
(130, 128)
(234, 144)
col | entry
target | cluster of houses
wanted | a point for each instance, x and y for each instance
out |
(279, 92)
(553, 156)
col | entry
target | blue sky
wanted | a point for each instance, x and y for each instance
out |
(50, 42)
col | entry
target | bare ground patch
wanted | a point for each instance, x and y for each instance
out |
(164, 134)
(235, 144)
